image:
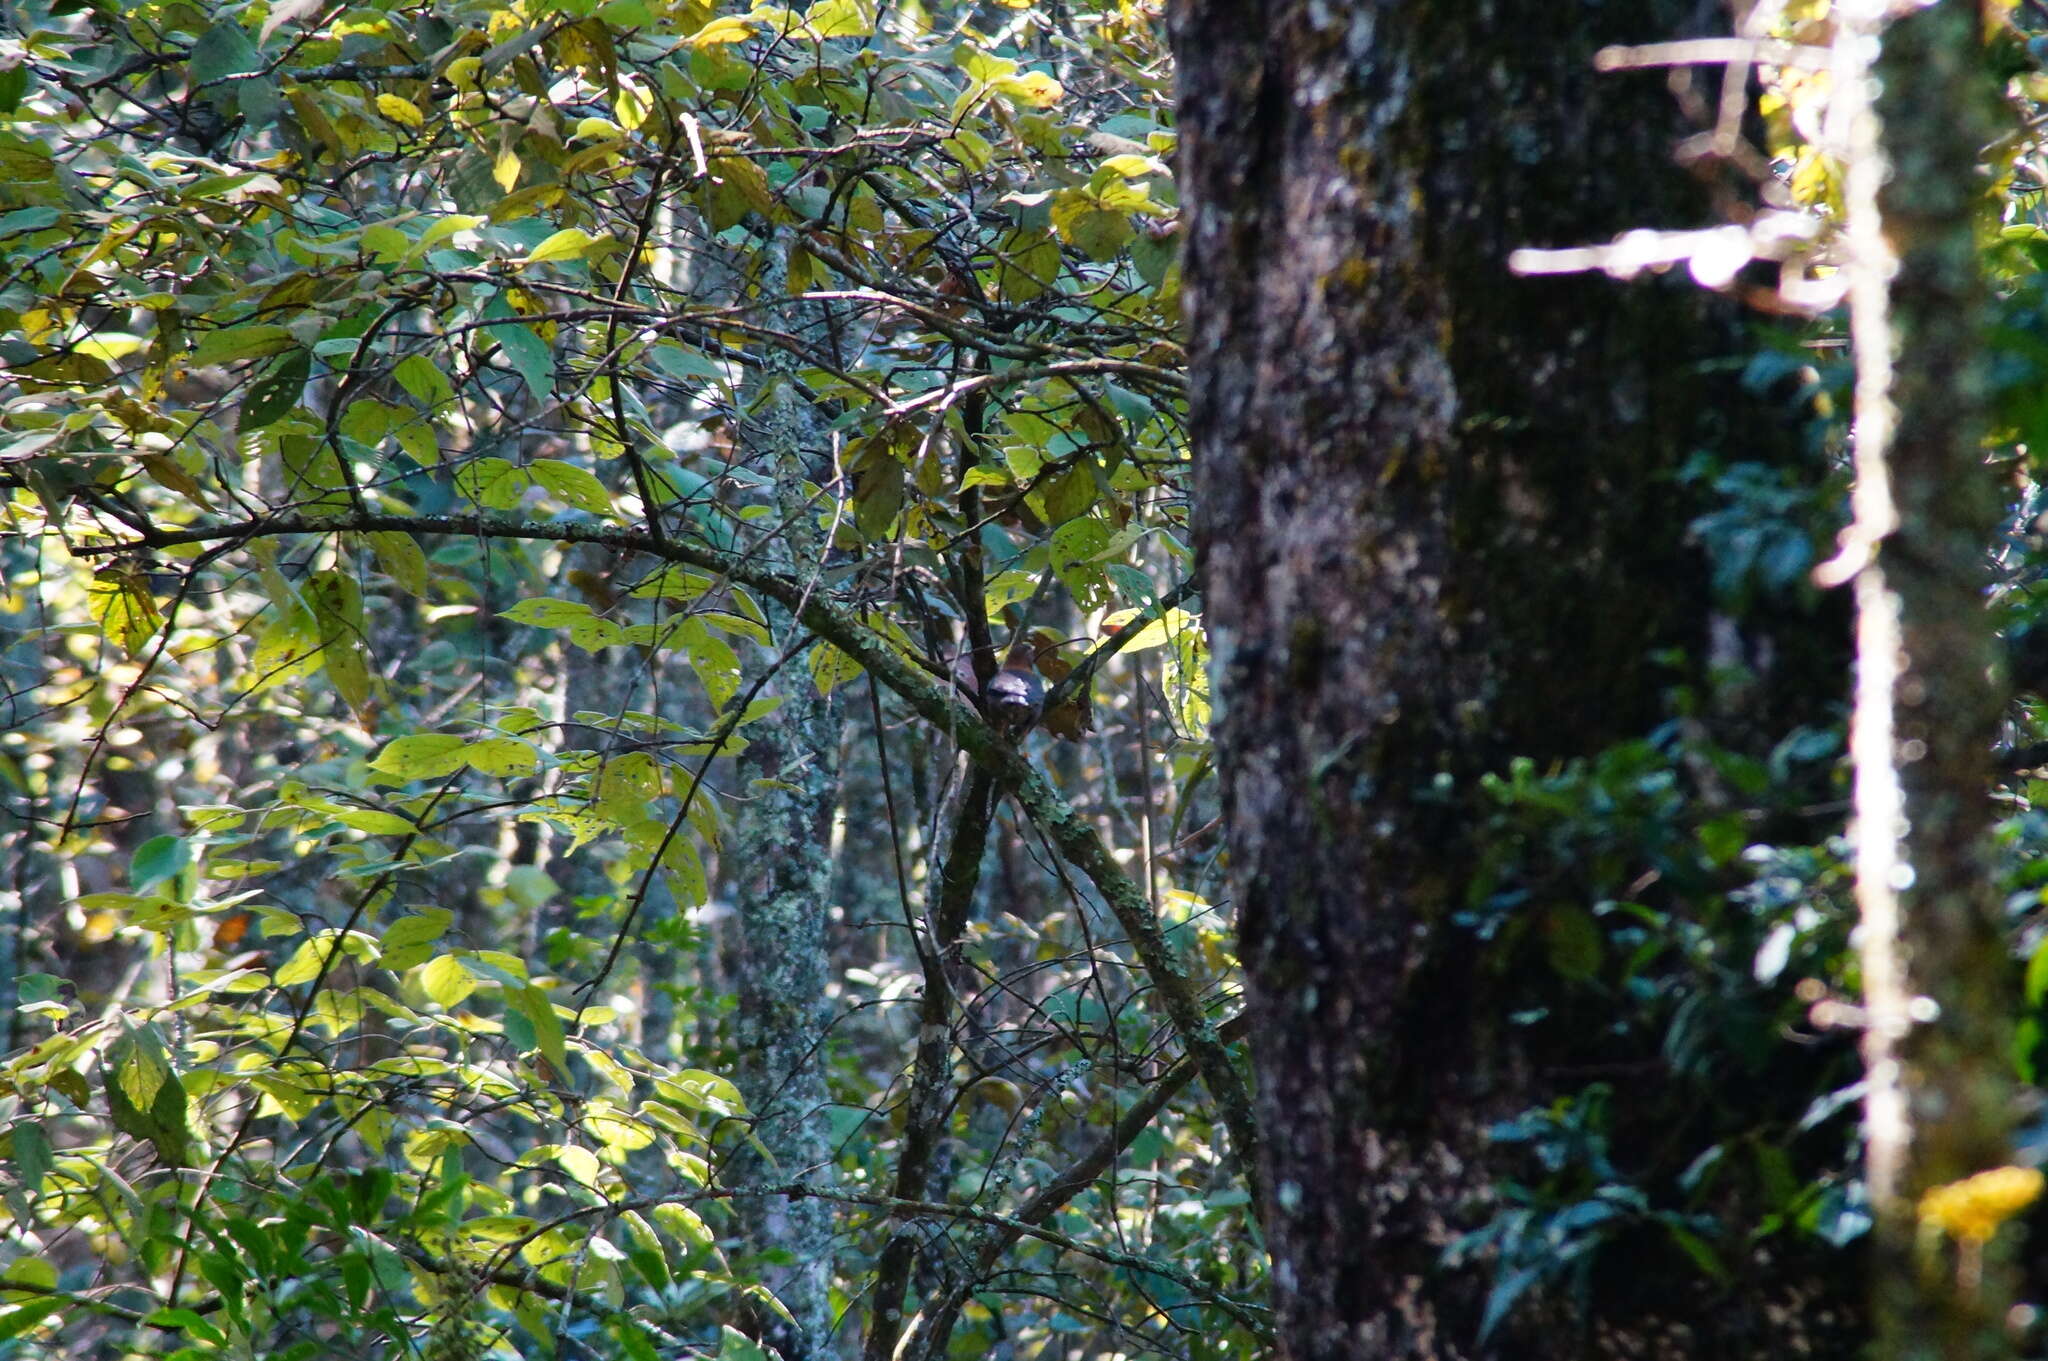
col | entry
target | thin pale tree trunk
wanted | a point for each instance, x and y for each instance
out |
(1938, 976)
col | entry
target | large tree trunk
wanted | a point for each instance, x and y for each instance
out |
(1440, 527)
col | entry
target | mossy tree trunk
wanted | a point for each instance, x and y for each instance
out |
(1941, 1107)
(781, 863)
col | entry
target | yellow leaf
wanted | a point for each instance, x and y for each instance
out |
(400, 110)
(506, 169)
(730, 29)
(121, 604)
(1035, 88)
(850, 18)
(570, 243)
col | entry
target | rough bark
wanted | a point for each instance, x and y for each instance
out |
(1937, 112)
(782, 851)
(1439, 526)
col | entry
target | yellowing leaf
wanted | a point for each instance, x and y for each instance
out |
(122, 606)
(416, 929)
(547, 613)
(730, 29)
(501, 756)
(422, 756)
(684, 1225)
(447, 980)
(375, 821)
(843, 19)
(570, 243)
(631, 106)
(1035, 88)
(1132, 166)
(1158, 633)
(505, 169)
(493, 483)
(629, 783)
(580, 1163)
(446, 227)
(831, 668)
(400, 110)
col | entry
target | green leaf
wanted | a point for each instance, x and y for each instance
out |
(402, 559)
(577, 486)
(493, 483)
(419, 376)
(277, 393)
(504, 757)
(422, 756)
(533, 1004)
(187, 1320)
(223, 50)
(734, 1345)
(2037, 975)
(1506, 1290)
(337, 605)
(530, 356)
(241, 342)
(157, 859)
(22, 1317)
(32, 1158)
(14, 81)
(144, 1096)
(313, 474)
(1573, 943)
(694, 1089)
(375, 821)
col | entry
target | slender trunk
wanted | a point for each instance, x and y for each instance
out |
(1940, 1102)
(782, 848)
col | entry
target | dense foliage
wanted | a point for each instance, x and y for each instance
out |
(442, 441)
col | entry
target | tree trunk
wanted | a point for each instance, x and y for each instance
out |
(781, 849)
(1440, 526)
(1941, 1089)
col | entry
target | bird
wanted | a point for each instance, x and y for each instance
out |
(1014, 695)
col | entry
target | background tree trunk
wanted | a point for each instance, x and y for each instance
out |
(781, 855)
(1440, 526)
